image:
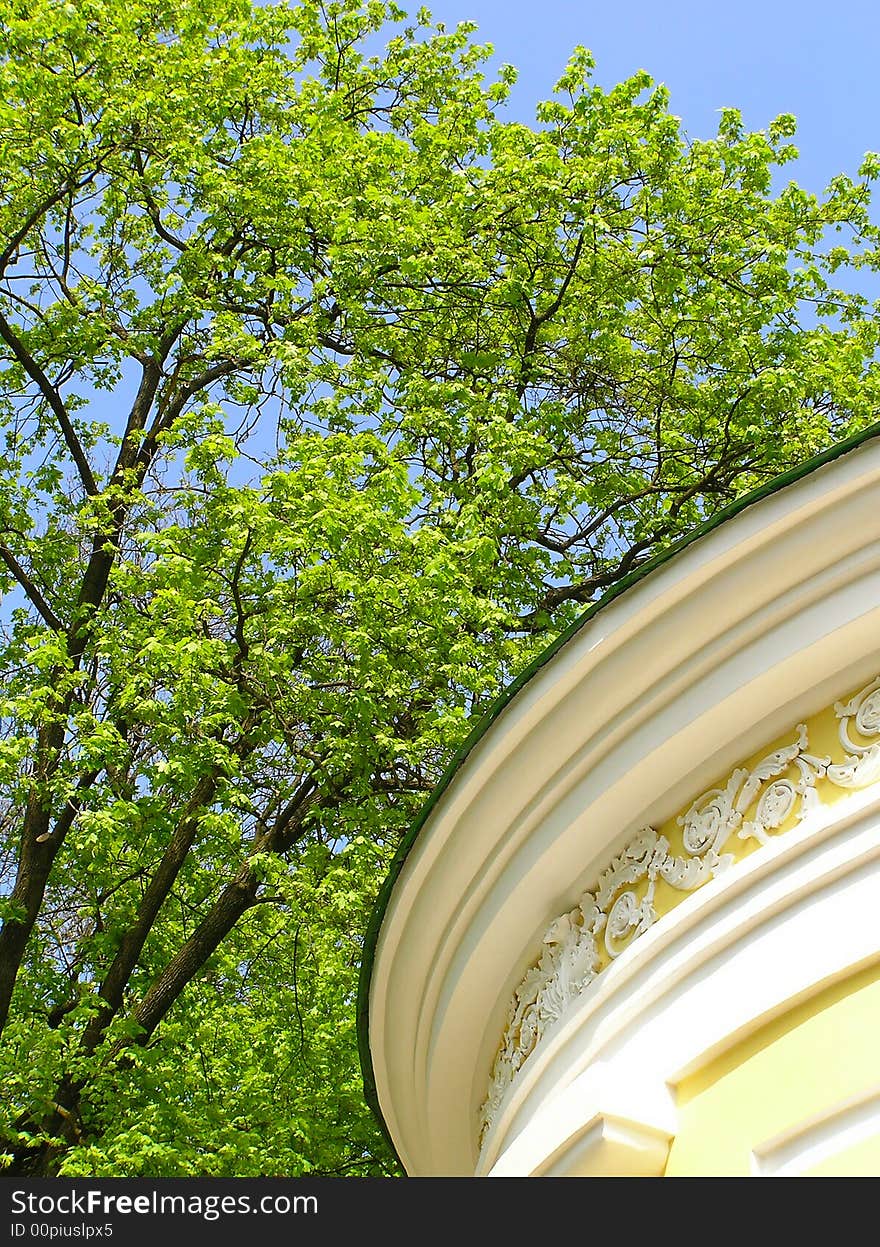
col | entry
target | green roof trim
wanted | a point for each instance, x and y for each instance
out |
(507, 695)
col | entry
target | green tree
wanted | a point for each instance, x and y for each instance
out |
(328, 397)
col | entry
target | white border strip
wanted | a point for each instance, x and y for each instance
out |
(814, 1140)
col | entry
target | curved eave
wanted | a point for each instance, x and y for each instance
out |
(511, 691)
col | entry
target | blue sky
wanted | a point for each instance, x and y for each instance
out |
(816, 60)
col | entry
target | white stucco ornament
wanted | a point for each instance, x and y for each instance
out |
(570, 959)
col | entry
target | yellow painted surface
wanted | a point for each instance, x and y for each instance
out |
(862, 1160)
(799, 1066)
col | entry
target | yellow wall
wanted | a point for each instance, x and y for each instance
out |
(803, 1064)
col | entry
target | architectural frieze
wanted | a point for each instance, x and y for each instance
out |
(755, 804)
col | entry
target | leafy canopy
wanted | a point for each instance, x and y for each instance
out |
(329, 395)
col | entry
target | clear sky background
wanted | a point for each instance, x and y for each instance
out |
(817, 59)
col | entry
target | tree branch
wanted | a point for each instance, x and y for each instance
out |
(133, 940)
(165, 420)
(33, 593)
(53, 398)
(29, 222)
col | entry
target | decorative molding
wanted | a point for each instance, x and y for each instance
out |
(691, 990)
(829, 1133)
(755, 804)
(611, 1146)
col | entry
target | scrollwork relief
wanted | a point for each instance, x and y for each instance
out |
(780, 786)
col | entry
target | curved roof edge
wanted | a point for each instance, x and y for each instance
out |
(506, 696)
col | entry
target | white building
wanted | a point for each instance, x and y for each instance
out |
(637, 931)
